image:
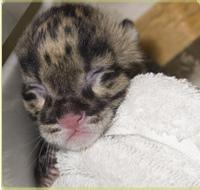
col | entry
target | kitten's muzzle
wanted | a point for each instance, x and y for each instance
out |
(64, 110)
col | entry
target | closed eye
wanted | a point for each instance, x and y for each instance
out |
(109, 76)
(93, 74)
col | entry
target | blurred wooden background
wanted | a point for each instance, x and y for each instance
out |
(168, 28)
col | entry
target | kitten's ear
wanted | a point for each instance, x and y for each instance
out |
(128, 25)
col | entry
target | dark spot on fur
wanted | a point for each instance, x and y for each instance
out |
(87, 11)
(46, 117)
(118, 95)
(41, 36)
(134, 69)
(109, 84)
(32, 105)
(100, 47)
(37, 112)
(69, 10)
(89, 46)
(68, 30)
(28, 96)
(55, 130)
(95, 120)
(109, 76)
(56, 22)
(29, 63)
(116, 68)
(86, 33)
(69, 105)
(52, 31)
(68, 49)
(48, 101)
(97, 107)
(88, 93)
(47, 59)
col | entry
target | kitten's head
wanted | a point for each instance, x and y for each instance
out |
(77, 63)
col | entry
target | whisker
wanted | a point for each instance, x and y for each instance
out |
(31, 141)
(30, 164)
(44, 156)
(49, 156)
(38, 155)
(34, 148)
(23, 145)
(44, 160)
(52, 155)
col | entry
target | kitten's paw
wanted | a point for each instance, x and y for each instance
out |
(46, 172)
(50, 177)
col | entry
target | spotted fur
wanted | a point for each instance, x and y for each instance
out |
(80, 59)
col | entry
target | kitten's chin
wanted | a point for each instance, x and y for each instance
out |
(75, 144)
(70, 139)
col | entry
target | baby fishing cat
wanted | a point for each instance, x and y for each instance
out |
(76, 63)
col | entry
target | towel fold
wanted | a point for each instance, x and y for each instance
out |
(154, 140)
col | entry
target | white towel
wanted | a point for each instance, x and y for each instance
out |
(154, 140)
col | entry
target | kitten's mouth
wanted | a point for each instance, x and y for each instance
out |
(74, 125)
(72, 132)
(72, 121)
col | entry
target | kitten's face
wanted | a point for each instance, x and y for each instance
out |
(77, 64)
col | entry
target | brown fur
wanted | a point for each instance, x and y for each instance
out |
(82, 60)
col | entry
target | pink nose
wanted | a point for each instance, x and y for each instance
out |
(71, 120)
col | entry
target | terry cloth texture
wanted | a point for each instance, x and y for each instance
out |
(154, 140)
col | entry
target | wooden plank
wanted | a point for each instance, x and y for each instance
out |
(12, 39)
(168, 28)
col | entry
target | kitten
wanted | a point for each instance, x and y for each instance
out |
(76, 63)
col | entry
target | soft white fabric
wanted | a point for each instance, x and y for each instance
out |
(154, 140)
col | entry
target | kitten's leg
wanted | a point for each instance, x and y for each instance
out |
(46, 171)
